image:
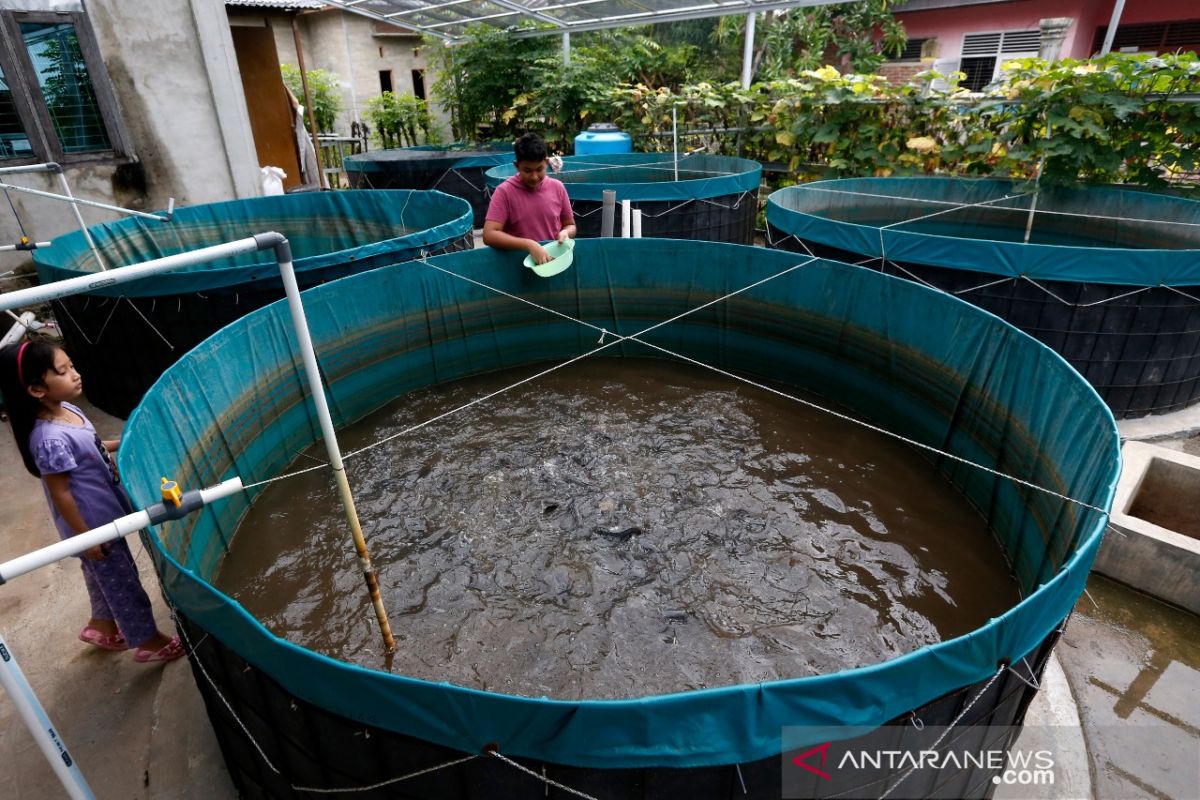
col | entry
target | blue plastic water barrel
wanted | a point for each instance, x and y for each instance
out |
(603, 137)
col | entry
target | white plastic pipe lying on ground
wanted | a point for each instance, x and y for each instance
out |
(17, 331)
(31, 712)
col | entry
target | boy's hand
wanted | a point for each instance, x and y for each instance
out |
(563, 235)
(556, 163)
(540, 256)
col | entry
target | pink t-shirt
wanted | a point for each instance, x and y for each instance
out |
(537, 214)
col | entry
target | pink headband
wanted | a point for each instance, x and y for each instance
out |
(20, 355)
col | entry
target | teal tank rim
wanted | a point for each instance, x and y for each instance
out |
(311, 219)
(726, 724)
(457, 155)
(730, 175)
(794, 211)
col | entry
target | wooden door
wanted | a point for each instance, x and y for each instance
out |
(267, 101)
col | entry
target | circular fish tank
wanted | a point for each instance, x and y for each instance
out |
(123, 338)
(918, 363)
(1107, 277)
(456, 169)
(700, 197)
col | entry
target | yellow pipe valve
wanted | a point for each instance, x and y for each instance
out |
(171, 493)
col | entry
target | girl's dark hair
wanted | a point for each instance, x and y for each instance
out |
(530, 147)
(22, 407)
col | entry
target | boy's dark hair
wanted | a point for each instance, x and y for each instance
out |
(22, 407)
(530, 147)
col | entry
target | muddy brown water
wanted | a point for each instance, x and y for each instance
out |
(620, 528)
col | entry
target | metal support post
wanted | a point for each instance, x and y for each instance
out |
(1114, 22)
(748, 51)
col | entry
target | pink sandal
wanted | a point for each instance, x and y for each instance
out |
(169, 652)
(105, 641)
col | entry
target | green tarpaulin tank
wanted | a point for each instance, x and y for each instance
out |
(986, 400)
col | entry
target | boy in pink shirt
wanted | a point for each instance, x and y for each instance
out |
(529, 208)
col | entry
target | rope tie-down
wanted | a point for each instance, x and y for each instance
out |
(985, 205)
(492, 751)
(617, 339)
(636, 337)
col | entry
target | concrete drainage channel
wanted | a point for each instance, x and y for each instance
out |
(1152, 545)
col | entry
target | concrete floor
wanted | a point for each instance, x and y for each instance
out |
(1133, 664)
(137, 731)
(140, 731)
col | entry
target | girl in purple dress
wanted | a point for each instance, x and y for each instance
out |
(59, 445)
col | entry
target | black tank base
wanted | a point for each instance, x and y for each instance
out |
(1141, 352)
(715, 219)
(311, 748)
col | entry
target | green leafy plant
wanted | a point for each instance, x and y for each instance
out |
(479, 79)
(325, 90)
(1113, 119)
(401, 119)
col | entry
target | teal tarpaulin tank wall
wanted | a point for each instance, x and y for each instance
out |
(701, 197)
(1108, 277)
(455, 169)
(916, 362)
(122, 339)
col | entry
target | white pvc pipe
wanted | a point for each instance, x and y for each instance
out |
(675, 138)
(637, 223)
(48, 167)
(86, 283)
(625, 212)
(7, 247)
(77, 201)
(317, 390)
(23, 323)
(62, 178)
(119, 527)
(31, 712)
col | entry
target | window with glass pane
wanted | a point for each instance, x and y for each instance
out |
(66, 86)
(13, 141)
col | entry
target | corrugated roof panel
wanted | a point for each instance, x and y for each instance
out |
(283, 4)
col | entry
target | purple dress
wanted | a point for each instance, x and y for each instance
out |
(113, 585)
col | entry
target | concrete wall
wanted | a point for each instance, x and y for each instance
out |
(348, 46)
(180, 99)
(949, 25)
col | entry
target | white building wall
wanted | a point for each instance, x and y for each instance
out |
(180, 99)
(346, 45)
